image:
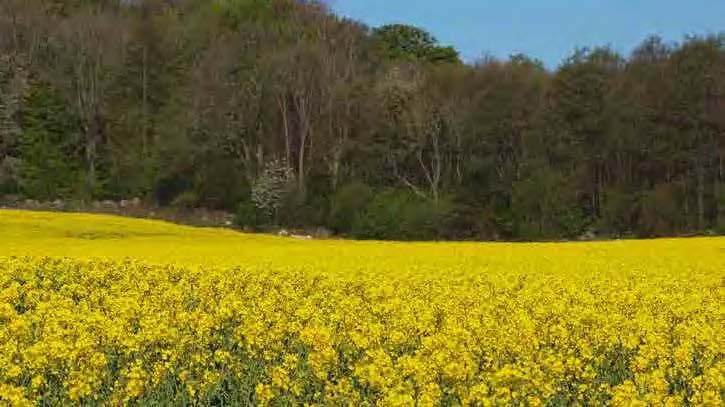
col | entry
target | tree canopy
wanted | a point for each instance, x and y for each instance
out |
(405, 42)
(380, 133)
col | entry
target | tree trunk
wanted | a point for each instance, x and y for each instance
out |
(145, 113)
(335, 166)
(285, 127)
(700, 196)
(91, 152)
(301, 181)
(303, 115)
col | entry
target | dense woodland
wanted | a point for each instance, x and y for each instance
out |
(288, 115)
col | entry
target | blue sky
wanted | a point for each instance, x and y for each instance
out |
(544, 29)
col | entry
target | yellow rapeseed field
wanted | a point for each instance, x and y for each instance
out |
(105, 310)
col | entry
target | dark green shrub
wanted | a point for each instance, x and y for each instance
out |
(619, 212)
(347, 204)
(246, 216)
(166, 189)
(293, 210)
(309, 208)
(381, 218)
(425, 220)
(186, 200)
(48, 169)
(9, 175)
(214, 189)
(545, 206)
(400, 215)
(661, 213)
(720, 215)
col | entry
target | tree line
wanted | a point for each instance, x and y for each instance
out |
(289, 115)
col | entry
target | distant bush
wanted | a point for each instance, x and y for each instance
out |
(168, 188)
(661, 212)
(381, 217)
(246, 215)
(186, 200)
(9, 175)
(348, 203)
(400, 215)
(426, 220)
(619, 212)
(545, 206)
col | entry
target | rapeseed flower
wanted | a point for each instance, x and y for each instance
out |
(261, 320)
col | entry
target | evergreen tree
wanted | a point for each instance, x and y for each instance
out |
(47, 145)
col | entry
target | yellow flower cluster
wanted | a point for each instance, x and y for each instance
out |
(261, 320)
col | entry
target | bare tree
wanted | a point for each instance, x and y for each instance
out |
(416, 156)
(88, 47)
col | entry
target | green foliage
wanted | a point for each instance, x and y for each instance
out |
(234, 13)
(10, 100)
(400, 215)
(404, 42)
(520, 59)
(443, 55)
(544, 206)
(9, 175)
(348, 203)
(187, 103)
(168, 188)
(619, 212)
(382, 216)
(661, 213)
(295, 210)
(186, 200)
(309, 208)
(246, 215)
(720, 225)
(426, 220)
(212, 186)
(47, 145)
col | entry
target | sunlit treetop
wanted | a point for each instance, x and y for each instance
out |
(405, 42)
